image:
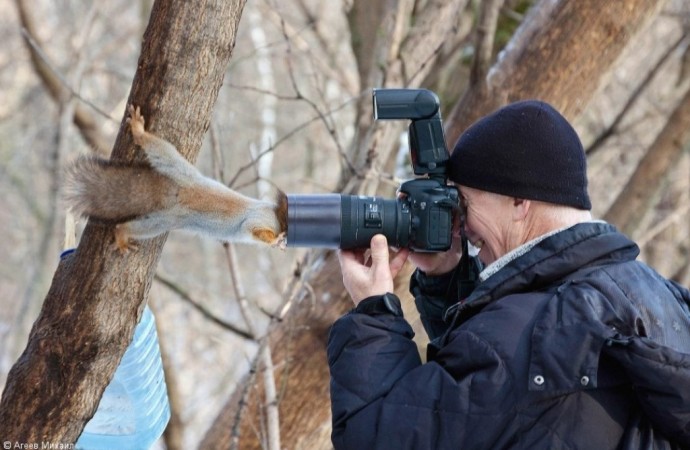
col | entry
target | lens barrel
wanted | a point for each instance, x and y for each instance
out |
(345, 221)
(314, 220)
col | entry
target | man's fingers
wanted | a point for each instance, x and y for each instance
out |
(379, 250)
(357, 255)
(398, 261)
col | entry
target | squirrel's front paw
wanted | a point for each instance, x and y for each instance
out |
(136, 123)
(280, 241)
(269, 237)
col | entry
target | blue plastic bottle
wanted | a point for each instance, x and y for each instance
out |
(134, 409)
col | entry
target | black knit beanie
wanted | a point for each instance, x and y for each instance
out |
(526, 150)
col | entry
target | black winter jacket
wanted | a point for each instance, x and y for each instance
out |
(573, 345)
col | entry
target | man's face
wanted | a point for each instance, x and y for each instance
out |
(488, 222)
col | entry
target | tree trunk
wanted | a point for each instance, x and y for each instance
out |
(97, 295)
(558, 54)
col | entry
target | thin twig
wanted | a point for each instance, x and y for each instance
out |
(200, 308)
(284, 138)
(238, 287)
(216, 154)
(66, 84)
(55, 84)
(246, 386)
(271, 403)
(264, 92)
(298, 93)
(322, 116)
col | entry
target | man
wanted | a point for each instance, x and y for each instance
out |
(566, 342)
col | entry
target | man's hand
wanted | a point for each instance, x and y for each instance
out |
(365, 275)
(439, 263)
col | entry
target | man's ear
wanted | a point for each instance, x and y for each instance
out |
(520, 208)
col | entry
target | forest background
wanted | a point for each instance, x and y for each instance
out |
(293, 112)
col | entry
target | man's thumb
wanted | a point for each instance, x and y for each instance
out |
(379, 250)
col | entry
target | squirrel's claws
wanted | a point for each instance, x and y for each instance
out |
(136, 123)
(123, 243)
(280, 242)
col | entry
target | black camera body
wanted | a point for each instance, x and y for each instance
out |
(420, 219)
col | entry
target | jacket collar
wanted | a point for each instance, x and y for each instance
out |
(551, 260)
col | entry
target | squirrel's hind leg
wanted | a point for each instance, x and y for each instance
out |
(145, 227)
(123, 239)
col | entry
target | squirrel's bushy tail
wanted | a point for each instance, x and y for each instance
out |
(111, 191)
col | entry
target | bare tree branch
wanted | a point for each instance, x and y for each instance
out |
(634, 200)
(484, 44)
(286, 137)
(84, 120)
(272, 438)
(633, 97)
(174, 287)
(678, 216)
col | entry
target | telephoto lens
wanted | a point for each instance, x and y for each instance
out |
(345, 221)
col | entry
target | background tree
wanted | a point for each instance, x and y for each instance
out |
(295, 111)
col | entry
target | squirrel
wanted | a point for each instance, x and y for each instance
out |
(146, 200)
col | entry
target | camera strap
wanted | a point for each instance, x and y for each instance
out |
(466, 276)
(467, 272)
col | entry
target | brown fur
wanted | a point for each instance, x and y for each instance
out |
(208, 200)
(116, 192)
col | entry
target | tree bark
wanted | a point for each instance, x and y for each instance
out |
(558, 54)
(97, 295)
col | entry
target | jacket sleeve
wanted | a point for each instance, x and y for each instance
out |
(432, 296)
(382, 396)
(661, 379)
(435, 294)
